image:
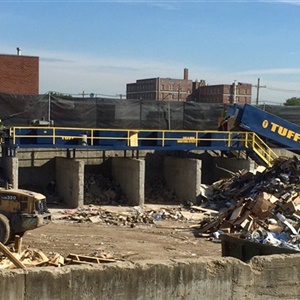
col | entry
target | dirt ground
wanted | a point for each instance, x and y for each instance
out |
(166, 239)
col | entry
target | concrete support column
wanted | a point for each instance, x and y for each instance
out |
(221, 164)
(70, 181)
(184, 177)
(11, 170)
(130, 173)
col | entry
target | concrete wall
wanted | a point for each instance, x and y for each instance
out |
(70, 181)
(183, 176)
(130, 173)
(265, 277)
(231, 164)
(38, 157)
(10, 167)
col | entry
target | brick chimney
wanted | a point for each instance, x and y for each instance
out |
(186, 74)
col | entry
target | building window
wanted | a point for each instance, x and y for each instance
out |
(162, 87)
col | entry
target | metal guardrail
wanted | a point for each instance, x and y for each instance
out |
(262, 149)
(135, 139)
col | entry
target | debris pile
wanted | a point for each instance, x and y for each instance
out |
(128, 217)
(264, 206)
(156, 191)
(100, 190)
(18, 258)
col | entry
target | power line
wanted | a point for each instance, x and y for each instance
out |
(283, 90)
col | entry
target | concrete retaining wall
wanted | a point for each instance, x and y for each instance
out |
(130, 173)
(70, 181)
(184, 177)
(265, 277)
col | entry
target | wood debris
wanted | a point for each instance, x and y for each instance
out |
(264, 206)
(11, 259)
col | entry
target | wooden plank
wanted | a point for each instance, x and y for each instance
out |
(90, 258)
(41, 256)
(236, 213)
(211, 211)
(11, 257)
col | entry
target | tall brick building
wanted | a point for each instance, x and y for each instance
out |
(19, 74)
(160, 89)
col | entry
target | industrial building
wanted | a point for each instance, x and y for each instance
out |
(162, 89)
(170, 89)
(236, 92)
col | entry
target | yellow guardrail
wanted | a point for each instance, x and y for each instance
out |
(252, 141)
(134, 137)
(261, 149)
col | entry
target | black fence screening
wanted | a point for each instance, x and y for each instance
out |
(21, 110)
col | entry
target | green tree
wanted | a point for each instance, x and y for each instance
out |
(294, 101)
(61, 95)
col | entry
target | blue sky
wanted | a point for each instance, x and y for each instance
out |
(99, 46)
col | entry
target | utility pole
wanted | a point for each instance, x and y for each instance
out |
(234, 92)
(49, 107)
(258, 86)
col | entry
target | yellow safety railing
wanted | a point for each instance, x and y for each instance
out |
(133, 137)
(253, 142)
(261, 149)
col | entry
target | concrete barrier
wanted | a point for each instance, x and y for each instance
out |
(265, 277)
(130, 173)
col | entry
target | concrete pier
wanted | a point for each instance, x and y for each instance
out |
(70, 181)
(130, 173)
(184, 177)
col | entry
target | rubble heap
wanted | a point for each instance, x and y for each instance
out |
(264, 206)
(156, 191)
(101, 190)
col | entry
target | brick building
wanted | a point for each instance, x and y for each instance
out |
(19, 74)
(170, 89)
(222, 93)
(160, 89)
